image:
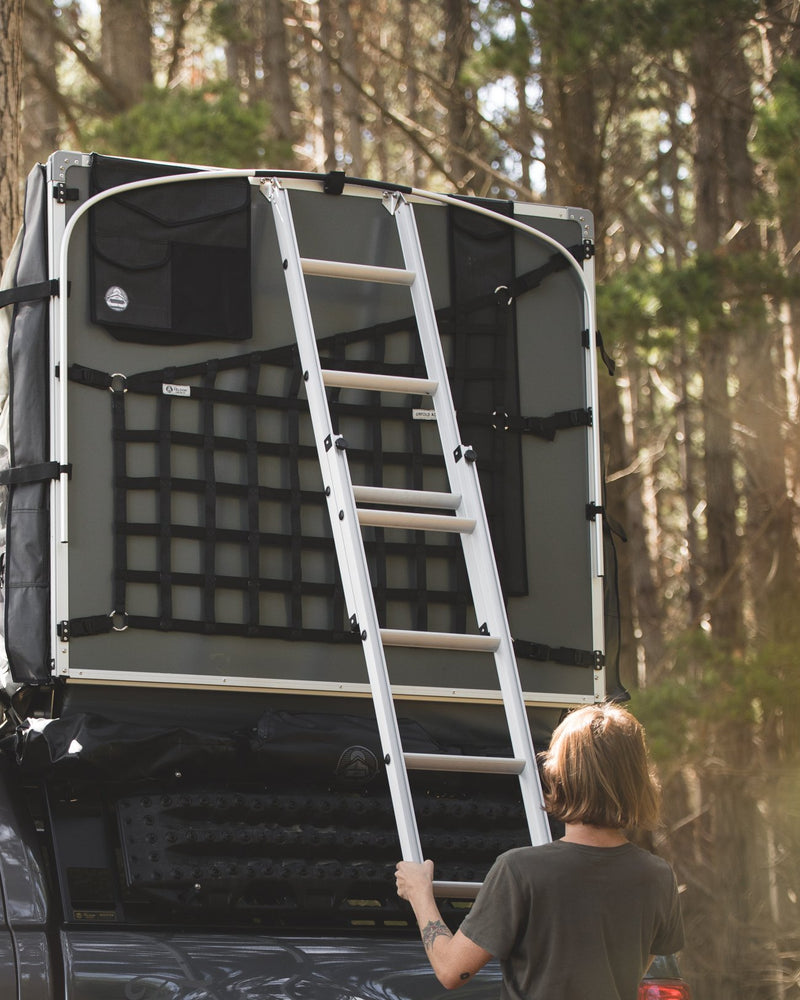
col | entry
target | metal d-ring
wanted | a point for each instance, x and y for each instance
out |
(122, 616)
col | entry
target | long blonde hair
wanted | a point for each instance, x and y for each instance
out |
(597, 771)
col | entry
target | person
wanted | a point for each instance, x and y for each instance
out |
(579, 917)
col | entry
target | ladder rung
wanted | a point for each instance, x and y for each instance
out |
(408, 498)
(456, 890)
(440, 640)
(456, 762)
(357, 272)
(414, 521)
(379, 383)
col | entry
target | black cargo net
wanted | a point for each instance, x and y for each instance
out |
(220, 458)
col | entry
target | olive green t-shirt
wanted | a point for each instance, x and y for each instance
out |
(568, 922)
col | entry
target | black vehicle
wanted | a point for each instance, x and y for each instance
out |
(198, 796)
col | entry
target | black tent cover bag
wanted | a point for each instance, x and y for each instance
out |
(26, 571)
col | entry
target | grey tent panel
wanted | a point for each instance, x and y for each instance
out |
(197, 547)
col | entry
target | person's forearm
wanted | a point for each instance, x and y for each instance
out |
(453, 957)
(438, 940)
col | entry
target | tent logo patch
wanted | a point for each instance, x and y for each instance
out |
(357, 764)
(116, 299)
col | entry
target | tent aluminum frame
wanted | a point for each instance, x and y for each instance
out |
(62, 223)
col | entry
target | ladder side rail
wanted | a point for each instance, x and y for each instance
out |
(478, 551)
(345, 528)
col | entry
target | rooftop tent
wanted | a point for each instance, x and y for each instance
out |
(166, 519)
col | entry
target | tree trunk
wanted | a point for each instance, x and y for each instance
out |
(646, 608)
(10, 90)
(126, 46)
(40, 117)
(724, 577)
(573, 157)
(276, 57)
(351, 98)
(414, 159)
(458, 40)
(687, 464)
(327, 104)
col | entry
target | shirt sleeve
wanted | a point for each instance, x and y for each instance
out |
(493, 922)
(669, 936)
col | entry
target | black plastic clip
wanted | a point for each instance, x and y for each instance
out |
(593, 509)
(63, 194)
(333, 182)
(355, 628)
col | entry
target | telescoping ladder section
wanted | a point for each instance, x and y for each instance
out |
(462, 511)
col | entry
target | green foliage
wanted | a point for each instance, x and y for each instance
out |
(709, 691)
(676, 24)
(582, 33)
(506, 51)
(665, 710)
(209, 126)
(647, 308)
(776, 140)
(717, 290)
(226, 20)
(626, 305)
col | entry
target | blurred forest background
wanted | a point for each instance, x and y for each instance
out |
(677, 122)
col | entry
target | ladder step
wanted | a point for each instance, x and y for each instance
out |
(357, 272)
(456, 890)
(440, 640)
(456, 762)
(414, 521)
(407, 498)
(379, 383)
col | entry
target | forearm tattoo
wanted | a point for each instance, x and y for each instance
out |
(432, 930)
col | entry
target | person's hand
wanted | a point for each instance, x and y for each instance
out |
(414, 879)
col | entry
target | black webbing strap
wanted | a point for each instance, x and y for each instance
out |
(296, 501)
(420, 551)
(333, 394)
(608, 361)
(89, 376)
(246, 631)
(164, 504)
(253, 605)
(209, 548)
(378, 571)
(542, 427)
(532, 279)
(77, 628)
(591, 659)
(29, 293)
(119, 476)
(38, 473)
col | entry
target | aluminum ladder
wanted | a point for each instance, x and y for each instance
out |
(462, 512)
